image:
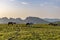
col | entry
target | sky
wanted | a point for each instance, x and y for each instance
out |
(25, 8)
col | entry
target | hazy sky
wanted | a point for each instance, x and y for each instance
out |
(24, 8)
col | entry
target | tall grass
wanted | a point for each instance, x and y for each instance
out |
(33, 32)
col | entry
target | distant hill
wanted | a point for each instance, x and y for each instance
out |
(35, 20)
(57, 22)
(5, 20)
(51, 20)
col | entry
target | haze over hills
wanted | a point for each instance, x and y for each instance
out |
(5, 20)
(35, 20)
(51, 20)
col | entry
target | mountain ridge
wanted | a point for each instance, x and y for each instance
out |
(30, 19)
(34, 20)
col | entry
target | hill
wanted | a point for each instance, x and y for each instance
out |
(35, 20)
(51, 20)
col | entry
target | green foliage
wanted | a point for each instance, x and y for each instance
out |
(33, 32)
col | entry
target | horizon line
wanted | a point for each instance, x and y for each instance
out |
(30, 16)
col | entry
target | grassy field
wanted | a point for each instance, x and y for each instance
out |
(33, 32)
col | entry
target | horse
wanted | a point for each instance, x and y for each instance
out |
(11, 23)
(29, 24)
(53, 24)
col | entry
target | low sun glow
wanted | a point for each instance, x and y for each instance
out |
(26, 8)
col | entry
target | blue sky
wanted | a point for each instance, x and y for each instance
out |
(25, 8)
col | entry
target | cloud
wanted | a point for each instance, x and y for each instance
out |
(56, 0)
(6, 0)
(24, 3)
(46, 4)
(11, 0)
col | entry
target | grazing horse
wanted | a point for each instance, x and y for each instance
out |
(53, 24)
(28, 24)
(11, 23)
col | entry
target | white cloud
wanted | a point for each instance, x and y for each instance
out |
(45, 4)
(55, 0)
(11, 0)
(24, 3)
(6, 0)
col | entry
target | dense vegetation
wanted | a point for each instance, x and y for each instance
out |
(33, 32)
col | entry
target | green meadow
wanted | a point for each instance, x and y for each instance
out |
(33, 32)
